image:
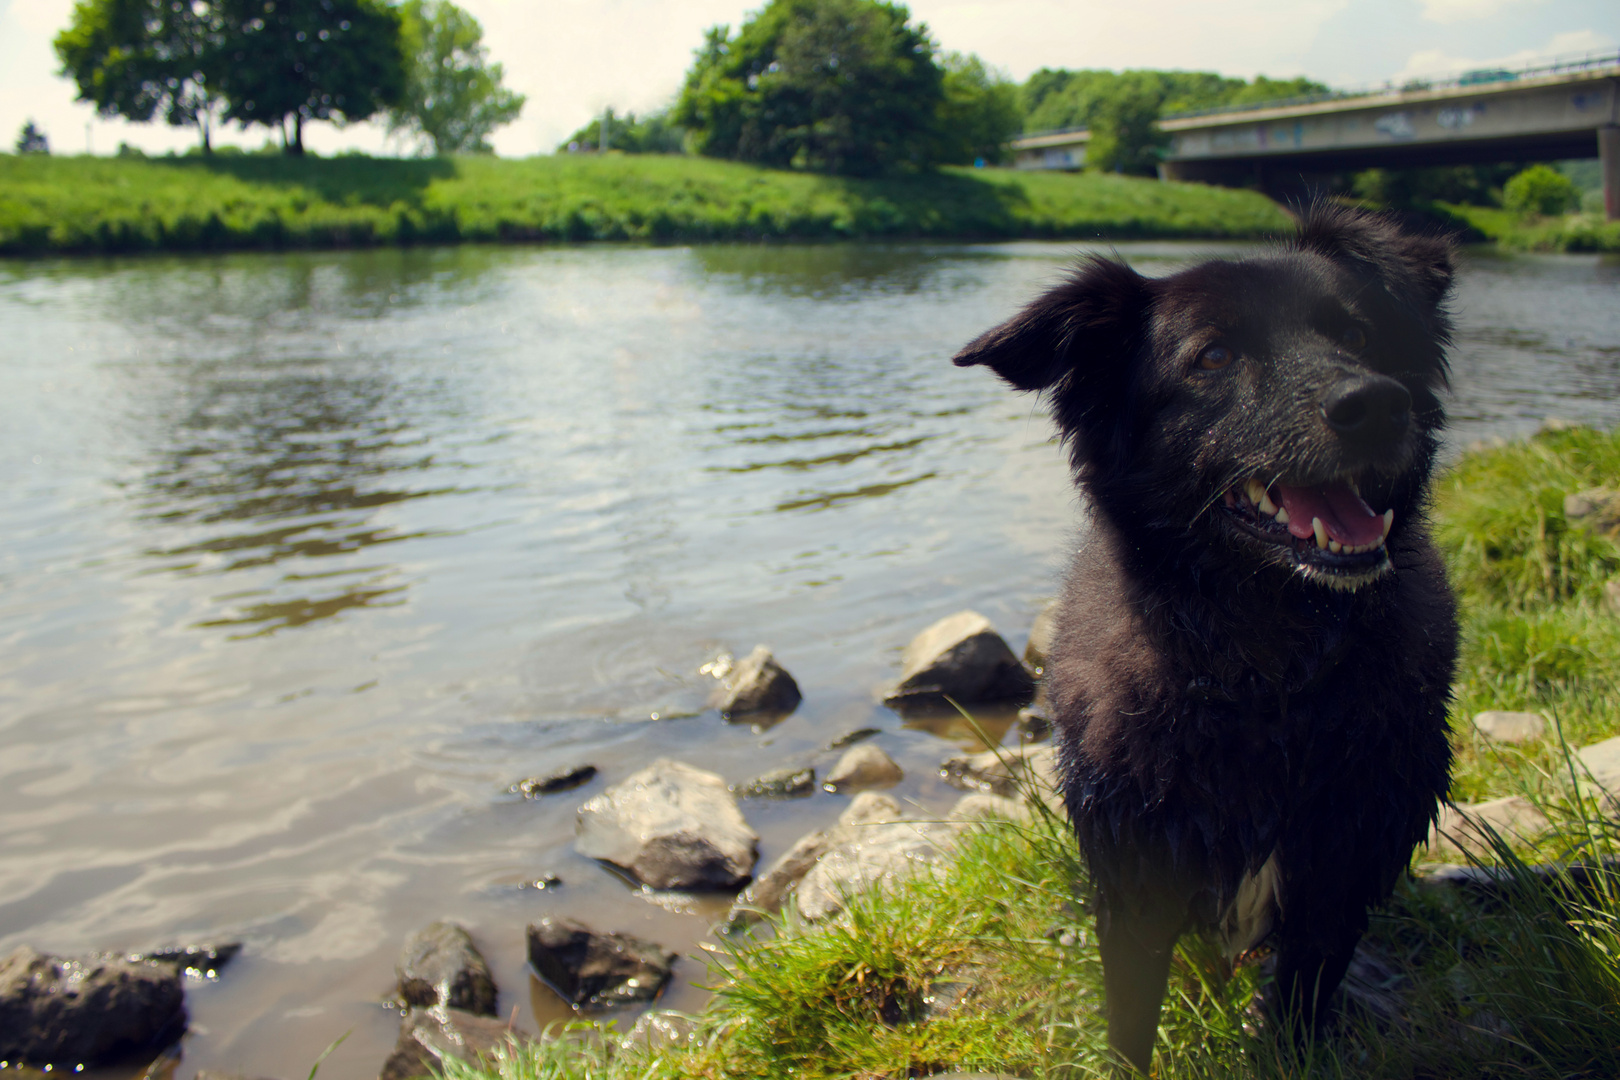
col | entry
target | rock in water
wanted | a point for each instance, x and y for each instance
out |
(780, 784)
(1510, 727)
(1039, 646)
(439, 965)
(756, 684)
(1003, 771)
(552, 782)
(863, 766)
(56, 1011)
(598, 970)
(671, 825)
(428, 1037)
(963, 658)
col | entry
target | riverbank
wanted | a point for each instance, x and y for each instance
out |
(84, 204)
(1567, 233)
(990, 964)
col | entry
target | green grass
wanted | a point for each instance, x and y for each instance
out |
(1565, 233)
(1524, 985)
(86, 204)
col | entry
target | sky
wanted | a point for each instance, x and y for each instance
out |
(572, 58)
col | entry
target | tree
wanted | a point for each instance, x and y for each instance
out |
(309, 60)
(840, 86)
(135, 58)
(31, 140)
(654, 134)
(453, 95)
(979, 114)
(1540, 189)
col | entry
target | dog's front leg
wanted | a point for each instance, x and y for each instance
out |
(1136, 940)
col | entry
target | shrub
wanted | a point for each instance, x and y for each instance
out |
(1542, 190)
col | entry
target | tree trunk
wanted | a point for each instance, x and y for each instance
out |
(297, 148)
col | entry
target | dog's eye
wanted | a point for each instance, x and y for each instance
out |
(1353, 337)
(1215, 357)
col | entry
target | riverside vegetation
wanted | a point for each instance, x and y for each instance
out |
(992, 964)
(84, 204)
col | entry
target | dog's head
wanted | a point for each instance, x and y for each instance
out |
(1283, 408)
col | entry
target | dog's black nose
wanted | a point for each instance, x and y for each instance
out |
(1368, 409)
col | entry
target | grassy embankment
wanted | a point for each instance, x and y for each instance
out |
(1584, 232)
(82, 204)
(1527, 986)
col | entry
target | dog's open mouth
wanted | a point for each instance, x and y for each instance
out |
(1325, 527)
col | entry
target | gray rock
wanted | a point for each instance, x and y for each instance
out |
(439, 965)
(1602, 761)
(754, 684)
(1004, 771)
(1597, 509)
(598, 970)
(1039, 646)
(1461, 827)
(850, 738)
(1511, 727)
(780, 784)
(430, 1037)
(864, 766)
(91, 1011)
(552, 782)
(1035, 721)
(963, 658)
(874, 856)
(770, 891)
(672, 826)
(202, 961)
(659, 1031)
(983, 806)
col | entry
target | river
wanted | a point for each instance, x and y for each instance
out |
(310, 556)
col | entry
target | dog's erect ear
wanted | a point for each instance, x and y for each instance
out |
(1414, 268)
(1078, 330)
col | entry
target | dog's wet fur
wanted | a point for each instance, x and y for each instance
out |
(1251, 715)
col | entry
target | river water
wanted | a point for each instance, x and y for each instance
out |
(309, 556)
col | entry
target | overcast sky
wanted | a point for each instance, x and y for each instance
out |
(573, 57)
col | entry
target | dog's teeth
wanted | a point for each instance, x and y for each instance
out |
(1256, 491)
(1321, 532)
(1281, 515)
(1389, 519)
(1354, 487)
(1335, 547)
(1267, 507)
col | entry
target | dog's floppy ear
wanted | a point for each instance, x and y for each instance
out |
(1415, 269)
(1077, 332)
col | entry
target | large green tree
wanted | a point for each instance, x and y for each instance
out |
(453, 95)
(840, 86)
(305, 60)
(139, 58)
(979, 114)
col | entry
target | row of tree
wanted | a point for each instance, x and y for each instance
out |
(282, 63)
(854, 87)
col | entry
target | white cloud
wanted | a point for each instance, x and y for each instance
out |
(1437, 62)
(1455, 11)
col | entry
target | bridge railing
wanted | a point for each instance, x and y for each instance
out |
(1481, 77)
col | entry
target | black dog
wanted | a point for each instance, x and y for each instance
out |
(1255, 646)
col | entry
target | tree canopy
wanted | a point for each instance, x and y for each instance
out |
(979, 114)
(652, 134)
(308, 60)
(453, 97)
(31, 140)
(137, 58)
(840, 86)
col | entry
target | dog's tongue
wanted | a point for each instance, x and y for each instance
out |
(1345, 517)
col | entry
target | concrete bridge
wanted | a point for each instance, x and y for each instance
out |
(1566, 109)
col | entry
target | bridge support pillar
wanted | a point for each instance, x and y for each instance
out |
(1609, 156)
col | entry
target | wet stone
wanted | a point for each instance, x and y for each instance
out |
(780, 784)
(1039, 646)
(1003, 771)
(430, 1037)
(200, 961)
(595, 970)
(961, 657)
(754, 684)
(439, 965)
(549, 784)
(864, 766)
(672, 826)
(850, 738)
(90, 1011)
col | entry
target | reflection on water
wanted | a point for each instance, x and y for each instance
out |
(310, 556)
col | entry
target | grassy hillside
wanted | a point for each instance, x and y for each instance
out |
(54, 204)
(1563, 233)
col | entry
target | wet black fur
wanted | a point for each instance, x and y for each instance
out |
(1214, 703)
